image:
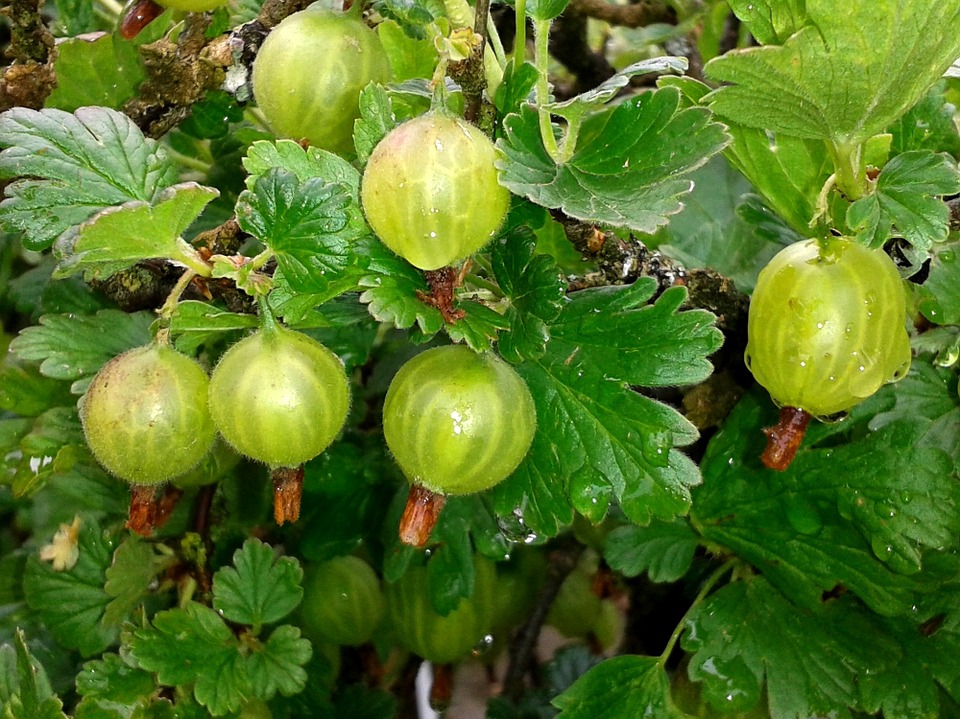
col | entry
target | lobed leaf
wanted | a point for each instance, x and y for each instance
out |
(72, 602)
(304, 223)
(845, 75)
(77, 165)
(771, 22)
(533, 285)
(376, 118)
(135, 567)
(74, 348)
(748, 635)
(907, 197)
(260, 588)
(635, 183)
(103, 70)
(616, 443)
(118, 237)
(664, 550)
(855, 509)
(631, 686)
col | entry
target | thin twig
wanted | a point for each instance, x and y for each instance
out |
(563, 560)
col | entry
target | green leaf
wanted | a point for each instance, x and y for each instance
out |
(855, 509)
(34, 699)
(544, 10)
(359, 701)
(928, 125)
(75, 17)
(771, 22)
(195, 323)
(907, 198)
(517, 86)
(390, 290)
(119, 237)
(71, 603)
(724, 228)
(277, 665)
(260, 588)
(376, 116)
(193, 645)
(211, 117)
(788, 172)
(574, 109)
(77, 165)
(942, 287)
(664, 550)
(535, 288)
(24, 391)
(104, 70)
(409, 57)
(625, 686)
(810, 658)
(615, 442)
(304, 223)
(846, 75)
(411, 15)
(479, 327)
(635, 183)
(306, 164)
(74, 348)
(135, 567)
(110, 678)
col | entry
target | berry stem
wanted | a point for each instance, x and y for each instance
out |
(287, 488)
(143, 509)
(420, 515)
(784, 438)
(138, 17)
(441, 691)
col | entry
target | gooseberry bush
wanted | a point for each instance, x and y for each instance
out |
(541, 358)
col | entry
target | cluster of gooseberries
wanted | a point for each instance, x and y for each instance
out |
(456, 421)
(278, 397)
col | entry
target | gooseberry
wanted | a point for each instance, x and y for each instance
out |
(309, 72)
(827, 327)
(457, 422)
(145, 415)
(342, 601)
(430, 190)
(427, 633)
(279, 397)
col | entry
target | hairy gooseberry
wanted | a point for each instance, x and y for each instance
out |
(309, 72)
(457, 422)
(435, 637)
(827, 327)
(279, 397)
(342, 601)
(145, 415)
(430, 190)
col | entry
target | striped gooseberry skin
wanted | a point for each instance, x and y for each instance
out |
(342, 601)
(428, 634)
(145, 415)
(430, 190)
(309, 72)
(827, 326)
(458, 421)
(279, 397)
